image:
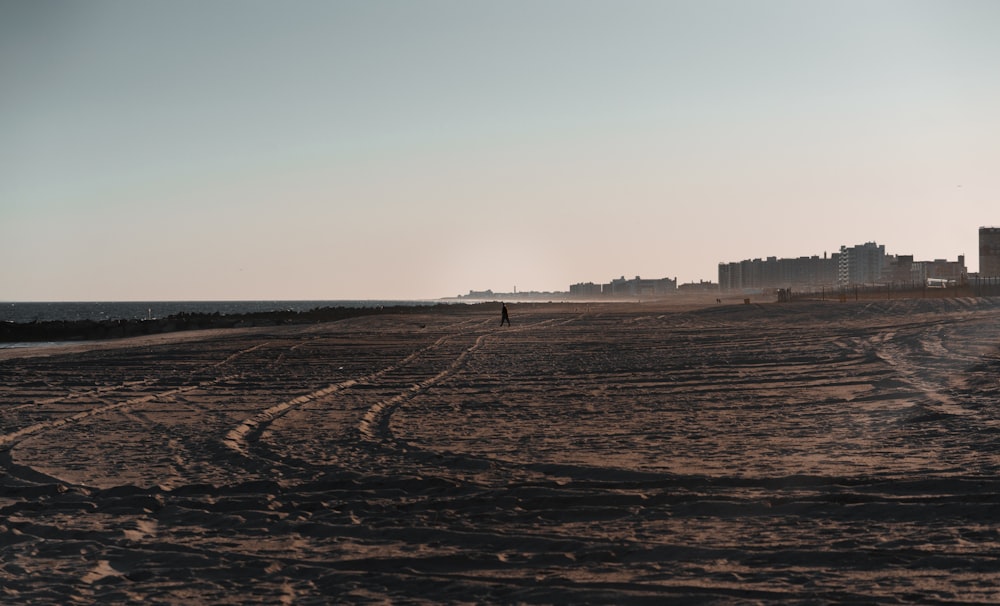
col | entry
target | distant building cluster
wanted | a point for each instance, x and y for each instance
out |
(773, 272)
(861, 264)
(865, 264)
(622, 287)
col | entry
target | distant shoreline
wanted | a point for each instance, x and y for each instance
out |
(116, 328)
(39, 311)
(61, 331)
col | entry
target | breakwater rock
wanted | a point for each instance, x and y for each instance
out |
(81, 330)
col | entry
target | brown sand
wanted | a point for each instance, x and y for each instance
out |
(587, 454)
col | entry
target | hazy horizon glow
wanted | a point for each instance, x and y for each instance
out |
(396, 150)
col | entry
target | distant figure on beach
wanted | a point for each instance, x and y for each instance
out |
(504, 317)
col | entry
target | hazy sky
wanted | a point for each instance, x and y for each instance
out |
(235, 149)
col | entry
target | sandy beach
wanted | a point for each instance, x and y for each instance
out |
(808, 452)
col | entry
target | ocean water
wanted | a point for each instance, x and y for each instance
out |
(134, 310)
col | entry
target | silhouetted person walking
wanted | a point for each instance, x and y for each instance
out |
(504, 317)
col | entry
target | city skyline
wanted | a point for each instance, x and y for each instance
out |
(933, 265)
(340, 150)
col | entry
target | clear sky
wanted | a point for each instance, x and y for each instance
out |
(241, 149)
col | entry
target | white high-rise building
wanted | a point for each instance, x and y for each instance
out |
(861, 264)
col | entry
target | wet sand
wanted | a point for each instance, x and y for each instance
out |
(817, 452)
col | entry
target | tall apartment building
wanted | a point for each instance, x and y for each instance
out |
(585, 289)
(861, 264)
(773, 272)
(989, 252)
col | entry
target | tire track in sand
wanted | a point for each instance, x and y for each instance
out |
(901, 351)
(90, 393)
(9, 440)
(239, 438)
(107, 390)
(374, 424)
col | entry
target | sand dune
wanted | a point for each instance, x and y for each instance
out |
(590, 454)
